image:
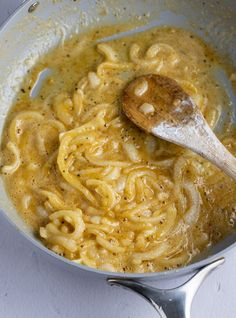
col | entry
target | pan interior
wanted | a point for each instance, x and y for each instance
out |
(26, 36)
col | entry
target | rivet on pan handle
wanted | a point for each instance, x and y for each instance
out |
(170, 303)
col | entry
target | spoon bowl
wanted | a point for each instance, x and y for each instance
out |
(158, 105)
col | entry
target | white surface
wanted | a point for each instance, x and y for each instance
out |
(32, 286)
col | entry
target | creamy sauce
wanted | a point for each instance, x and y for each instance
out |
(93, 186)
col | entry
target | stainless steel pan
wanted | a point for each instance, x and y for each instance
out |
(37, 27)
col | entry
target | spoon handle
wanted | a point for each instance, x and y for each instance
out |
(199, 137)
(216, 152)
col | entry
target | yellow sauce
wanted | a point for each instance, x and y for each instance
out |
(97, 189)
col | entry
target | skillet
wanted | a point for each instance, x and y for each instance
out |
(37, 27)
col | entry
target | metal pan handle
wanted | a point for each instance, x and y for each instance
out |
(170, 303)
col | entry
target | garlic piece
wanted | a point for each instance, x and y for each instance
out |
(147, 108)
(141, 88)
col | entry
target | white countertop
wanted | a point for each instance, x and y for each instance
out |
(33, 286)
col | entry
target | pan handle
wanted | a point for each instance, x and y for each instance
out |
(170, 303)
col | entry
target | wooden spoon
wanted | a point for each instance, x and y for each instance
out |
(158, 105)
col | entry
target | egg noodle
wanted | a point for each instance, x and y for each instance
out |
(105, 194)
